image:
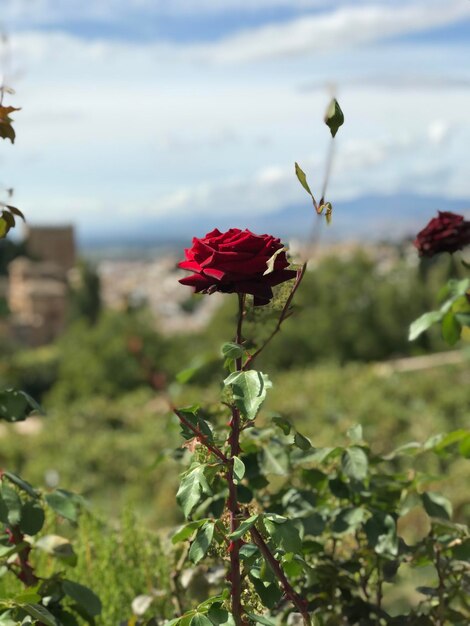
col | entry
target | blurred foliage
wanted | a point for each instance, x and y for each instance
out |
(116, 451)
(9, 250)
(85, 297)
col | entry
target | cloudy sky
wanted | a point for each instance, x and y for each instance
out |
(137, 109)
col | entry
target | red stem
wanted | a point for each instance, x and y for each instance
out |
(26, 574)
(269, 557)
(232, 502)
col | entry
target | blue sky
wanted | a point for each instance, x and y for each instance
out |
(136, 109)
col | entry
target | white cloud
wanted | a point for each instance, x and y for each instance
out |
(25, 12)
(122, 130)
(342, 28)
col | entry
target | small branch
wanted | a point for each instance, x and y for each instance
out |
(175, 581)
(284, 315)
(329, 163)
(299, 603)
(201, 436)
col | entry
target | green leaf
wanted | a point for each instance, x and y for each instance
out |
(21, 484)
(451, 328)
(238, 469)
(220, 616)
(12, 502)
(275, 460)
(32, 518)
(27, 596)
(199, 619)
(232, 351)
(423, 323)
(83, 596)
(187, 530)
(355, 433)
(260, 619)
(192, 416)
(249, 391)
(381, 533)
(348, 520)
(193, 484)
(282, 423)
(303, 181)
(334, 117)
(15, 406)
(202, 542)
(302, 442)
(244, 527)
(64, 503)
(40, 613)
(436, 505)
(354, 463)
(284, 533)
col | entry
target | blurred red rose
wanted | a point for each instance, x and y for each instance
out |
(236, 262)
(447, 232)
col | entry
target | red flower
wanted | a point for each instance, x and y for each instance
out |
(447, 232)
(236, 262)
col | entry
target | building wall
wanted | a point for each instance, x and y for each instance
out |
(52, 243)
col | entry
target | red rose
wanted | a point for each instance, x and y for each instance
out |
(447, 232)
(236, 262)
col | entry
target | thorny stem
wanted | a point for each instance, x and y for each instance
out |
(232, 502)
(201, 436)
(26, 573)
(285, 313)
(269, 557)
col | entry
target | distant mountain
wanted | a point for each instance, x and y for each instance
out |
(371, 218)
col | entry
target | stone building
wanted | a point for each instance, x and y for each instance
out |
(38, 286)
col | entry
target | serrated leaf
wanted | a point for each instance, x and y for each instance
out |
(187, 530)
(202, 542)
(232, 351)
(285, 534)
(302, 179)
(244, 527)
(238, 469)
(249, 391)
(354, 463)
(193, 484)
(334, 117)
(64, 504)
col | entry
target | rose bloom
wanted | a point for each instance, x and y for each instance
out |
(447, 232)
(236, 262)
